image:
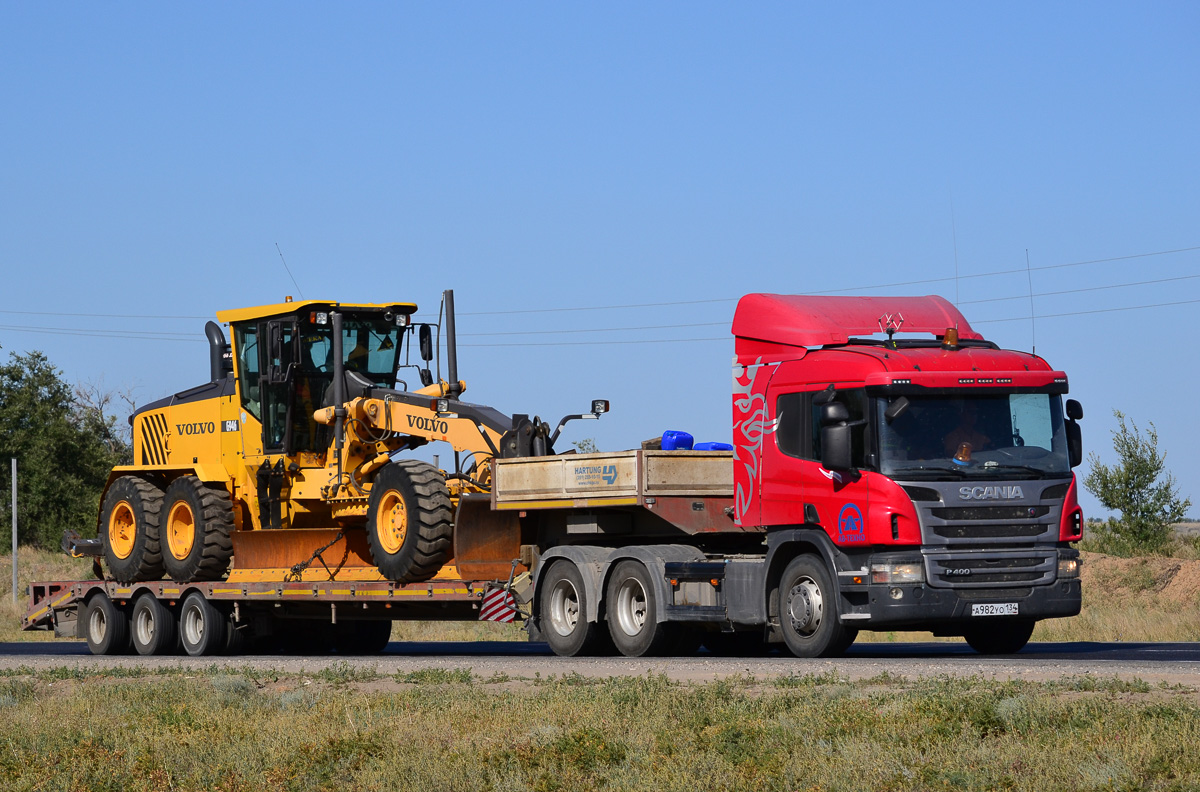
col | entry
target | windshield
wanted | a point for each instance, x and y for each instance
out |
(1015, 435)
(370, 346)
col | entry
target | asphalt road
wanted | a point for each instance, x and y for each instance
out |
(1173, 663)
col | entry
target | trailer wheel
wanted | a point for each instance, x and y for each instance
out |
(201, 626)
(196, 525)
(632, 608)
(564, 613)
(107, 626)
(129, 521)
(1000, 638)
(152, 626)
(808, 610)
(409, 531)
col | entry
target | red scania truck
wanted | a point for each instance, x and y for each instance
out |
(891, 470)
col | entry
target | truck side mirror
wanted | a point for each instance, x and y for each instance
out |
(1074, 443)
(835, 437)
(425, 335)
(1074, 410)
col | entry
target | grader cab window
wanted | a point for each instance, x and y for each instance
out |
(245, 339)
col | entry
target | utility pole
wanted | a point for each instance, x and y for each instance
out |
(14, 521)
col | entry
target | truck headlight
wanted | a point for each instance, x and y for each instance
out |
(1068, 568)
(908, 572)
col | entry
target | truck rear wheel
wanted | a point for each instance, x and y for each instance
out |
(195, 531)
(1000, 637)
(106, 626)
(408, 521)
(202, 629)
(129, 521)
(152, 626)
(808, 612)
(632, 607)
(564, 607)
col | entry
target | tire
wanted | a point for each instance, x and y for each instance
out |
(632, 607)
(808, 613)
(1007, 637)
(367, 637)
(409, 531)
(129, 520)
(106, 626)
(202, 629)
(152, 627)
(564, 606)
(196, 523)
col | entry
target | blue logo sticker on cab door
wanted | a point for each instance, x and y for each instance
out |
(850, 525)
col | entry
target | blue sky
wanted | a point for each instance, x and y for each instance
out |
(588, 157)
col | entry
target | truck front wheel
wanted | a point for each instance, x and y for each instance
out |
(808, 611)
(408, 521)
(1000, 638)
(564, 612)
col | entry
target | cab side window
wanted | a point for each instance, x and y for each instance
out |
(246, 341)
(798, 431)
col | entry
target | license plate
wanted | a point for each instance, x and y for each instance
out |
(994, 609)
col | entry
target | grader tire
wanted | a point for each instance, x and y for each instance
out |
(129, 530)
(196, 523)
(409, 530)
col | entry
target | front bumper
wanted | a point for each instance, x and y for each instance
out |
(920, 606)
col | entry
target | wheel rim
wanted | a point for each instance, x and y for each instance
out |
(392, 522)
(193, 626)
(631, 607)
(122, 530)
(143, 626)
(97, 625)
(806, 606)
(181, 530)
(564, 608)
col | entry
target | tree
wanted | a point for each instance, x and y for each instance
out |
(586, 446)
(64, 449)
(1139, 487)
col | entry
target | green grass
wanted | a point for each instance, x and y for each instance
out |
(433, 729)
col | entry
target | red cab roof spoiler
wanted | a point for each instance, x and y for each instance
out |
(803, 321)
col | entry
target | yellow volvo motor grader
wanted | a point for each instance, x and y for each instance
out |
(290, 455)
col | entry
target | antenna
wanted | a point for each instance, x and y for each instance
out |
(289, 272)
(954, 237)
(1032, 315)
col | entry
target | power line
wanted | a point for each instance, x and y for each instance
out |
(1080, 291)
(597, 330)
(125, 334)
(1093, 311)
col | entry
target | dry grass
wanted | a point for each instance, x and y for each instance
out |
(435, 729)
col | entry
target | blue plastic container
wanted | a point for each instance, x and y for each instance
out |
(712, 447)
(676, 441)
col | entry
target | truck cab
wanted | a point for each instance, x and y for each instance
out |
(931, 469)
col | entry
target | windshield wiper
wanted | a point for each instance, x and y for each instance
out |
(989, 466)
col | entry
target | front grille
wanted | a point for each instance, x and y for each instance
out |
(990, 512)
(978, 570)
(995, 593)
(987, 531)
